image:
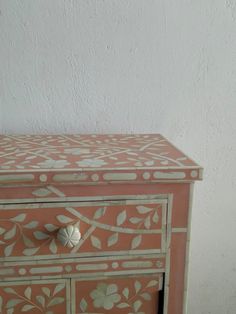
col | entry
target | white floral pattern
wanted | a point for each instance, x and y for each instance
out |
(91, 163)
(105, 296)
(126, 295)
(50, 163)
(76, 151)
(29, 152)
(44, 301)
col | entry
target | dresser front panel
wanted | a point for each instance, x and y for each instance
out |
(120, 295)
(118, 227)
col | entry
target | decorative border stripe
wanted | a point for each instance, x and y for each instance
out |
(120, 176)
(92, 267)
(42, 270)
(16, 178)
(137, 264)
(169, 175)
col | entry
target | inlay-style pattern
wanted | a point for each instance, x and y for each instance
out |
(34, 297)
(94, 224)
(118, 295)
(29, 230)
(76, 267)
(110, 157)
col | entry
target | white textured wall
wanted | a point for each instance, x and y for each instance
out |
(164, 66)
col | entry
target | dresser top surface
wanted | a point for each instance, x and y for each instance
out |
(88, 152)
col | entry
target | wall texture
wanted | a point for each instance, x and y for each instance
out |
(164, 66)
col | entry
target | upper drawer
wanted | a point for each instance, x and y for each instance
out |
(30, 231)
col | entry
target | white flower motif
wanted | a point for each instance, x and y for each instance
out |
(77, 151)
(105, 296)
(91, 163)
(51, 163)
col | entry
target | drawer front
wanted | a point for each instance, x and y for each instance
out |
(118, 227)
(117, 295)
(49, 297)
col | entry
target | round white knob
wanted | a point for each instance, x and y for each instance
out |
(69, 236)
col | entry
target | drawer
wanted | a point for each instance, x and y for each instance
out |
(49, 297)
(117, 295)
(30, 231)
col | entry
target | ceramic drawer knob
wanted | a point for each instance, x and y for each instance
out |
(69, 236)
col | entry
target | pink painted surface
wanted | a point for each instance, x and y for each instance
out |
(33, 298)
(40, 170)
(74, 266)
(105, 227)
(118, 295)
(99, 153)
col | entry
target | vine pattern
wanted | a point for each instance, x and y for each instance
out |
(28, 301)
(110, 297)
(87, 151)
(143, 222)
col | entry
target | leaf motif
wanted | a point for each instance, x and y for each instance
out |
(146, 296)
(18, 218)
(155, 218)
(27, 241)
(152, 283)
(99, 213)
(27, 293)
(13, 302)
(9, 290)
(50, 227)
(27, 307)
(57, 300)
(135, 220)
(41, 300)
(58, 288)
(10, 234)
(2, 230)
(125, 293)
(137, 304)
(63, 219)
(39, 235)
(123, 305)
(113, 239)
(83, 305)
(30, 251)
(147, 223)
(96, 242)
(137, 286)
(136, 241)
(8, 249)
(143, 209)
(2, 242)
(53, 246)
(32, 224)
(121, 218)
(10, 311)
(46, 291)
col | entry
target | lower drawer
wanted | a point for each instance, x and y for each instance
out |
(118, 295)
(100, 295)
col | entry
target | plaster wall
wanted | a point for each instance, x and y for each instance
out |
(166, 66)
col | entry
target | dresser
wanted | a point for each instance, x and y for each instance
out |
(94, 224)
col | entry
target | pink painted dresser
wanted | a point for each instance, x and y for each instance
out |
(93, 224)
